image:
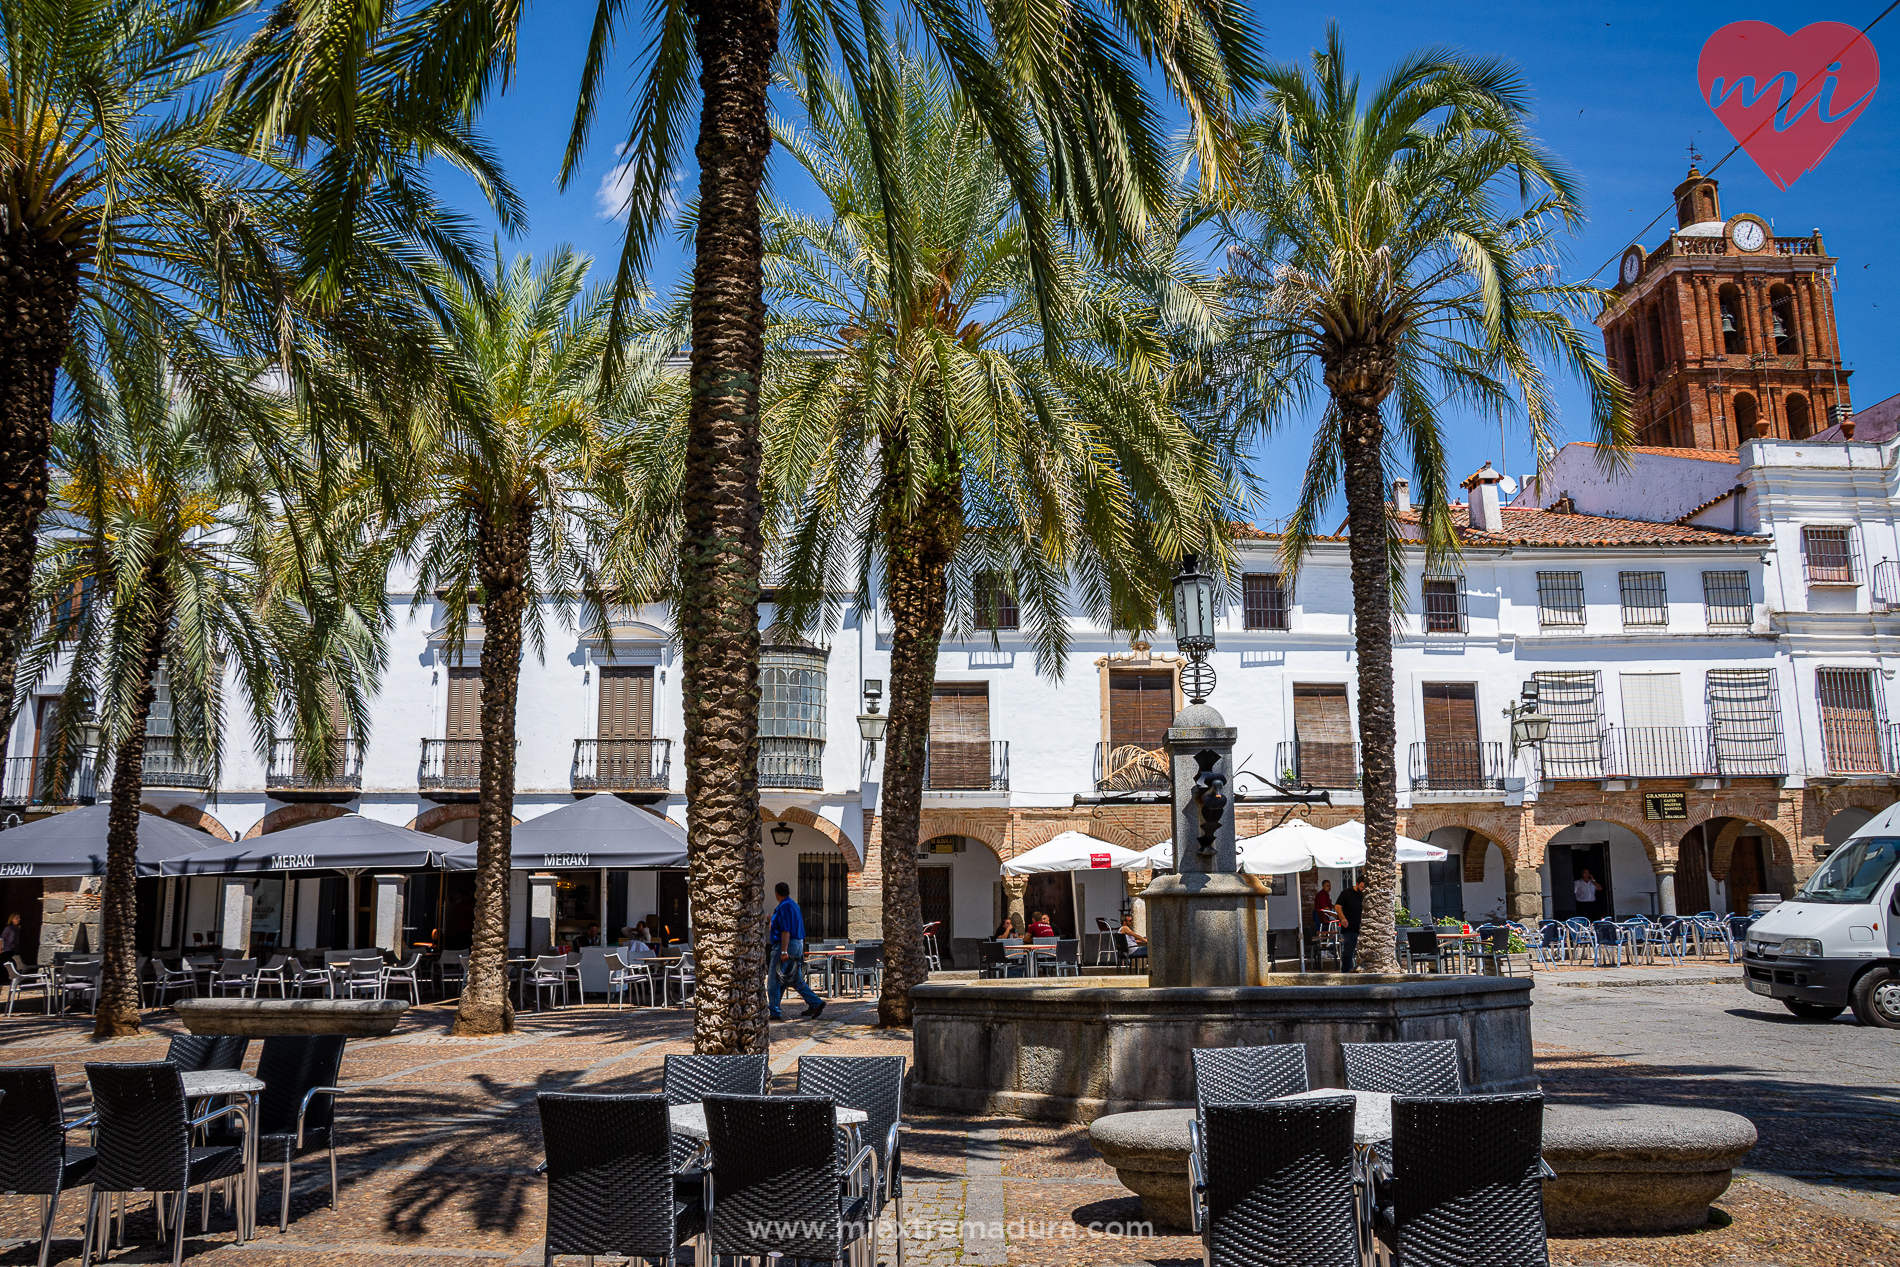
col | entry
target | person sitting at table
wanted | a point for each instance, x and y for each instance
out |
(636, 949)
(590, 938)
(639, 933)
(1012, 928)
(1322, 905)
(1133, 944)
(1039, 926)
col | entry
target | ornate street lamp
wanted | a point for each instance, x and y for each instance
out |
(1195, 596)
(1529, 728)
(871, 723)
(781, 834)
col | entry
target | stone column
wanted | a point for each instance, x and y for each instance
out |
(1207, 924)
(1524, 895)
(234, 917)
(541, 909)
(390, 908)
(1015, 888)
(1665, 892)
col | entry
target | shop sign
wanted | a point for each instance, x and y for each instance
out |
(1660, 807)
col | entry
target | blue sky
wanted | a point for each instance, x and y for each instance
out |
(1616, 99)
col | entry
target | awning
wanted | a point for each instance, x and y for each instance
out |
(597, 831)
(1074, 851)
(74, 843)
(1295, 847)
(348, 842)
(1409, 850)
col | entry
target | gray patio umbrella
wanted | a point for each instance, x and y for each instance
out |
(348, 842)
(74, 843)
(597, 831)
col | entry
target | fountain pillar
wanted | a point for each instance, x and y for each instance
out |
(1207, 924)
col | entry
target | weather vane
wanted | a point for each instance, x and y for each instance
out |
(1695, 155)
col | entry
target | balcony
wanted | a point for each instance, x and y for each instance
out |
(1327, 765)
(1131, 768)
(1859, 746)
(622, 765)
(1658, 752)
(1459, 765)
(1667, 752)
(792, 763)
(167, 766)
(952, 766)
(1886, 595)
(293, 776)
(451, 769)
(29, 782)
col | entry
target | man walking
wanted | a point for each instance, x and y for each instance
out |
(1350, 903)
(787, 936)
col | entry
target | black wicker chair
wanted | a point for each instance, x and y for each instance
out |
(611, 1184)
(874, 1084)
(690, 1079)
(144, 1145)
(1422, 946)
(1404, 1068)
(774, 1182)
(1489, 1207)
(193, 1053)
(34, 1157)
(1248, 1075)
(1271, 1185)
(296, 1113)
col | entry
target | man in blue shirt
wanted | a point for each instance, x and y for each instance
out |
(787, 939)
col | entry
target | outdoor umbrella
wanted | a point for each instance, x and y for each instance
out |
(1297, 846)
(1073, 851)
(597, 831)
(1159, 855)
(74, 843)
(348, 842)
(1409, 850)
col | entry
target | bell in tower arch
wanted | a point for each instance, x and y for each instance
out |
(1781, 327)
(1728, 321)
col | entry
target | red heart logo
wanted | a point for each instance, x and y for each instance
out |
(1788, 98)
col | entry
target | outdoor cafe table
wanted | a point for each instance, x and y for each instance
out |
(207, 1083)
(831, 956)
(690, 1120)
(1371, 1118)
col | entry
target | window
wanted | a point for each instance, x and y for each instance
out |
(1453, 757)
(995, 605)
(1800, 418)
(626, 702)
(791, 717)
(1574, 703)
(1263, 600)
(1652, 699)
(72, 609)
(1733, 337)
(822, 900)
(1745, 720)
(1829, 554)
(1726, 599)
(1560, 599)
(1140, 708)
(959, 736)
(464, 718)
(1322, 734)
(1444, 604)
(1645, 598)
(1852, 719)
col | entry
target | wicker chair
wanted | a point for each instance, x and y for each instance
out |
(194, 1053)
(144, 1143)
(611, 1186)
(690, 1079)
(1247, 1075)
(297, 1111)
(1487, 1208)
(1271, 1185)
(1404, 1068)
(775, 1184)
(34, 1157)
(874, 1084)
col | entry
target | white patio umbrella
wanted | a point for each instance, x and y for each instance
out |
(1409, 850)
(1160, 855)
(1298, 846)
(1074, 851)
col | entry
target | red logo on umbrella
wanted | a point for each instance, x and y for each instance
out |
(1098, 861)
(1788, 98)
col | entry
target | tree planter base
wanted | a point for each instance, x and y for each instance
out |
(265, 1018)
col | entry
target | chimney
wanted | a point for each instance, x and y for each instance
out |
(1484, 515)
(1402, 496)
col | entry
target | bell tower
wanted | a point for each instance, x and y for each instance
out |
(1724, 332)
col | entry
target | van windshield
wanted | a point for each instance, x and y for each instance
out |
(1852, 873)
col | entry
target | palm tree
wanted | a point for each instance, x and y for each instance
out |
(507, 503)
(1405, 248)
(1059, 97)
(135, 177)
(922, 433)
(187, 575)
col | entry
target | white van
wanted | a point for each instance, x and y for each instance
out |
(1836, 943)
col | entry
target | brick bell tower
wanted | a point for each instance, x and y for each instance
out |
(1725, 332)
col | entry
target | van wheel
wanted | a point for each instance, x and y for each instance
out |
(1877, 998)
(1812, 1011)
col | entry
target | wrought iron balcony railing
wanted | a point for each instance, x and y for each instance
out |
(1658, 752)
(1131, 768)
(622, 765)
(1859, 745)
(30, 781)
(954, 766)
(450, 765)
(1887, 585)
(1314, 764)
(1667, 752)
(796, 763)
(167, 765)
(293, 767)
(1458, 765)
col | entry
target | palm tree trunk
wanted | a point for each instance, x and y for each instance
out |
(501, 563)
(1363, 444)
(117, 1013)
(721, 551)
(918, 549)
(39, 288)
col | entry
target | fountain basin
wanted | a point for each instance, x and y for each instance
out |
(1090, 1046)
(265, 1018)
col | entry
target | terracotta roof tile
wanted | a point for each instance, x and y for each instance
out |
(1525, 526)
(1699, 455)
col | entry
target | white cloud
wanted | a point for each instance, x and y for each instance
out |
(610, 198)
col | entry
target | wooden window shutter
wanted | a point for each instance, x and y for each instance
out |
(1322, 727)
(960, 735)
(626, 702)
(465, 704)
(1140, 708)
(1451, 712)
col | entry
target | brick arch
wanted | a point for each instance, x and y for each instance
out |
(1658, 854)
(430, 819)
(1419, 826)
(288, 816)
(823, 826)
(995, 835)
(1827, 802)
(1724, 847)
(193, 817)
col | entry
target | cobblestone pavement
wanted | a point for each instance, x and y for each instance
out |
(439, 1137)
